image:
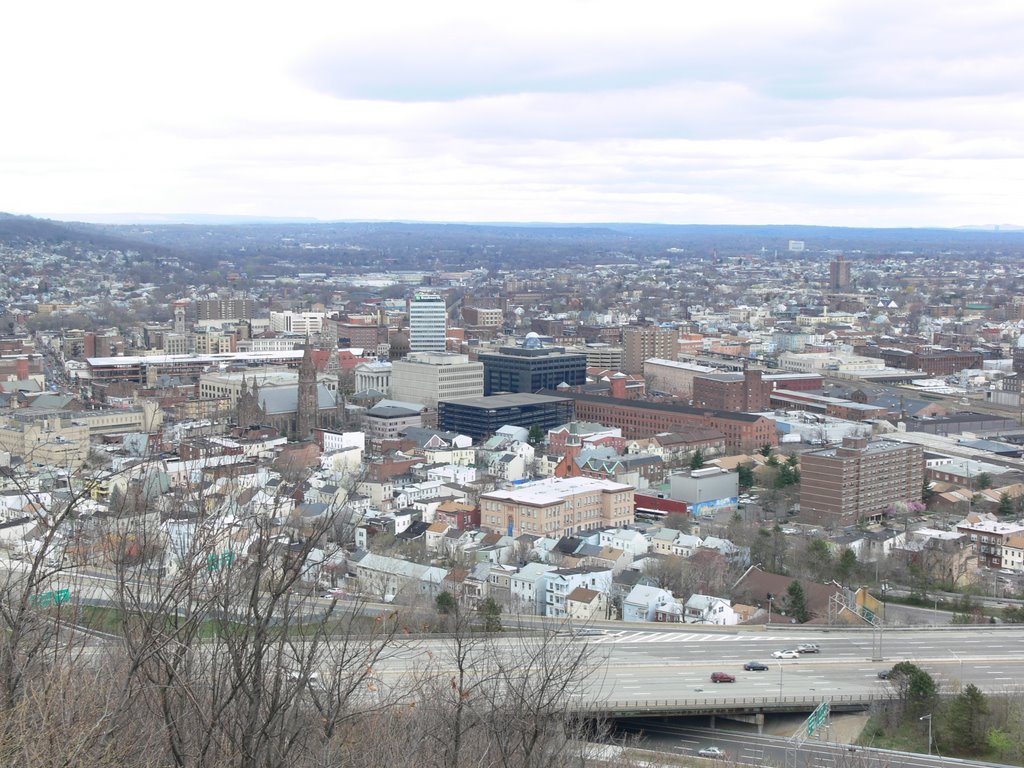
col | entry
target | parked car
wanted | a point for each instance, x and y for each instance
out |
(711, 752)
(787, 654)
(808, 648)
(755, 666)
(722, 677)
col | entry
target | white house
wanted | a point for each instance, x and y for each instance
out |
(527, 588)
(632, 542)
(685, 544)
(559, 584)
(706, 609)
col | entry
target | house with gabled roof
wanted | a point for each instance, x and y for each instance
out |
(642, 601)
(708, 609)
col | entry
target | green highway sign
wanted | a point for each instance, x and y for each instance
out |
(817, 718)
(216, 562)
(53, 597)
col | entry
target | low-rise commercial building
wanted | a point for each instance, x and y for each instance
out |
(557, 507)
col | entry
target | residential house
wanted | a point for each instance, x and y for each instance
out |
(669, 612)
(755, 585)
(584, 604)
(707, 609)
(642, 601)
(558, 584)
(660, 540)
(435, 536)
(686, 545)
(528, 589)
(388, 578)
(631, 541)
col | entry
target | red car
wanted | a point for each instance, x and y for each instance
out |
(722, 677)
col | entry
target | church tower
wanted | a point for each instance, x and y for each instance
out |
(248, 411)
(308, 406)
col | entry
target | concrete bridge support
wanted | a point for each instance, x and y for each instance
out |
(756, 718)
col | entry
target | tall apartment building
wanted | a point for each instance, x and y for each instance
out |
(531, 368)
(225, 309)
(839, 274)
(859, 480)
(428, 323)
(640, 342)
(426, 377)
(557, 507)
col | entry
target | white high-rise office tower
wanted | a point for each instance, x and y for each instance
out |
(428, 328)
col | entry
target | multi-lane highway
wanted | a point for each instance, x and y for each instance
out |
(746, 748)
(657, 665)
(647, 662)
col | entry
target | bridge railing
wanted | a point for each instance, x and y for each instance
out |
(732, 703)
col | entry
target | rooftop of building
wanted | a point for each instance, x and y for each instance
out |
(512, 400)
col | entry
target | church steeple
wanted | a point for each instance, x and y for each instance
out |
(307, 405)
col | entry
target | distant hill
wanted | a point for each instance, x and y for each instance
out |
(278, 247)
(26, 230)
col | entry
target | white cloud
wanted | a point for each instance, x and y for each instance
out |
(831, 113)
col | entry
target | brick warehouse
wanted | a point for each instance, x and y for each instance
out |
(743, 432)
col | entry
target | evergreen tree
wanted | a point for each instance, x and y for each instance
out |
(964, 730)
(818, 560)
(697, 461)
(746, 476)
(847, 566)
(490, 612)
(445, 604)
(536, 436)
(1005, 507)
(796, 602)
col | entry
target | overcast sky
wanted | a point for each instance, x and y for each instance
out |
(859, 113)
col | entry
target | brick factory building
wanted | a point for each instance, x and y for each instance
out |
(637, 419)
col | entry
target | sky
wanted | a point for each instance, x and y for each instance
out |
(859, 113)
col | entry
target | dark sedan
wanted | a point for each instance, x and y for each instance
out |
(755, 666)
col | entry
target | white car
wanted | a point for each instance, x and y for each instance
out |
(785, 655)
(711, 752)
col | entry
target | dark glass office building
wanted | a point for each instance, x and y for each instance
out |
(481, 417)
(531, 368)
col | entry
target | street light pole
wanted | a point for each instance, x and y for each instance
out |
(928, 717)
(781, 667)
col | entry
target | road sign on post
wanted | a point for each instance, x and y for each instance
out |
(817, 718)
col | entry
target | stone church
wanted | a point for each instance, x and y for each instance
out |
(294, 410)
